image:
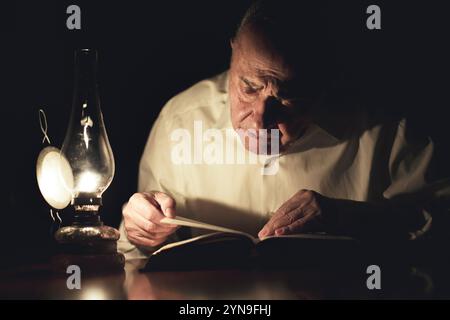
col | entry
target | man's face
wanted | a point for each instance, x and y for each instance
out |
(262, 91)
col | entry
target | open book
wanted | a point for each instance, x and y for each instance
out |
(225, 247)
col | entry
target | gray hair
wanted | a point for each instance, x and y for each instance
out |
(298, 29)
(286, 14)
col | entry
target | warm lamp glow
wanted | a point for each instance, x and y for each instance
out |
(88, 182)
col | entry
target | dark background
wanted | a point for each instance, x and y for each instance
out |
(152, 50)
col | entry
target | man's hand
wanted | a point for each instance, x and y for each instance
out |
(300, 213)
(142, 218)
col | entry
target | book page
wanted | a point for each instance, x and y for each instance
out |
(313, 236)
(179, 243)
(218, 235)
(181, 221)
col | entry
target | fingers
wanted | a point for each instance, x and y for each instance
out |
(309, 223)
(279, 220)
(304, 224)
(142, 218)
(143, 241)
(300, 199)
(133, 228)
(166, 203)
(148, 205)
(295, 227)
(145, 225)
(293, 215)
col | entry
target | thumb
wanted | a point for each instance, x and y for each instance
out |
(166, 203)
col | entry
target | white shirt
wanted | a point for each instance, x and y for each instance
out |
(376, 163)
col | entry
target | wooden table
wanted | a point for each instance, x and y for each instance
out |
(40, 282)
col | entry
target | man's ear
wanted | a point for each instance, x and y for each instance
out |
(232, 43)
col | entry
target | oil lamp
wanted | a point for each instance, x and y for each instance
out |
(87, 151)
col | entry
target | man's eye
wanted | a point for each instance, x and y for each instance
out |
(249, 89)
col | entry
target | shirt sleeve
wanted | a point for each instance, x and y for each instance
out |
(414, 178)
(156, 173)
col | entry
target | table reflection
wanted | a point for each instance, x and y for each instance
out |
(232, 284)
(303, 283)
(40, 282)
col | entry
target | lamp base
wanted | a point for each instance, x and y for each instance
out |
(92, 248)
(87, 241)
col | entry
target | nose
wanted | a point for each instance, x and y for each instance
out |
(266, 112)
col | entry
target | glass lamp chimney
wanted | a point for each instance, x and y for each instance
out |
(86, 146)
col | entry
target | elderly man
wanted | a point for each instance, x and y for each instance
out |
(359, 183)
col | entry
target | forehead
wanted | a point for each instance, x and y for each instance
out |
(256, 53)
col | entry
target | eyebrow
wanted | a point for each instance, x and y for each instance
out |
(285, 91)
(250, 83)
